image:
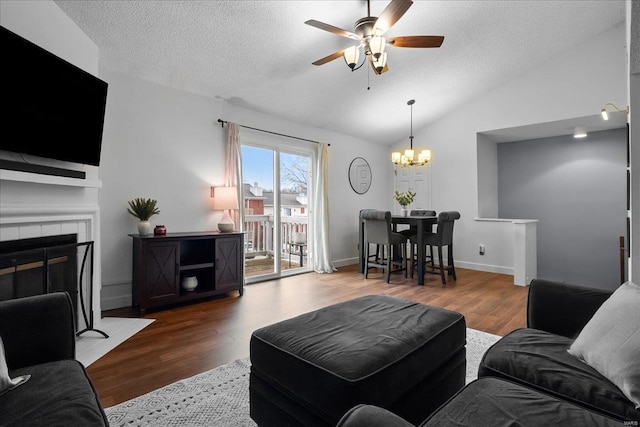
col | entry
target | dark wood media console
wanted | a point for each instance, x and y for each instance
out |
(161, 263)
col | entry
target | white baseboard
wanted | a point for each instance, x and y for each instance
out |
(484, 267)
(115, 295)
(463, 264)
(345, 262)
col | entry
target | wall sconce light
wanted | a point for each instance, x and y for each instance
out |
(579, 132)
(225, 199)
(605, 115)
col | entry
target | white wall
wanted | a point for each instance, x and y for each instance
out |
(167, 144)
(575, 84)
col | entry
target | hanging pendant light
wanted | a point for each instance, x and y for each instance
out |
(408, 157)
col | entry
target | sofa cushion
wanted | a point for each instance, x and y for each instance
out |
(58, 394)
(540, 360)
(495, 402)
(369, 349)
(610, 341)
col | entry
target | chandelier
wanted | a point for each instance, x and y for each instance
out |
(408, 157)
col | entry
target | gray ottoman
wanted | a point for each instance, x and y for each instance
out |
(400, 355)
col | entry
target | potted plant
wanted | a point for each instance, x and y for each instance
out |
(404, 199)
(143, 209)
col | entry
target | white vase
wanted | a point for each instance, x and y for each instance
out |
(404, 212)
(144, 228)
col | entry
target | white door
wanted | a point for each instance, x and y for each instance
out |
(415, 178)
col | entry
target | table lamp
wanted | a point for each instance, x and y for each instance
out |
(225, 199)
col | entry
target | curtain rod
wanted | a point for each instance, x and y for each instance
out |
(223, 122)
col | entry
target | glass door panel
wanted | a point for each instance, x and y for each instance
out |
(294, 210)
(258, 166)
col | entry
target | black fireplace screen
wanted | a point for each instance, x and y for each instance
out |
(37, 266)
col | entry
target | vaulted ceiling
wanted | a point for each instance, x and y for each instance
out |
(258, 54)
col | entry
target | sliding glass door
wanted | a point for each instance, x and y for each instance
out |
(276, 197)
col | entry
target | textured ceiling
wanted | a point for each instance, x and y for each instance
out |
(258, 54)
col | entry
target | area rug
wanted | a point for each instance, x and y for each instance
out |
(220, 397)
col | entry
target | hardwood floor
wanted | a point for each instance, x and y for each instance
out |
(190, 339)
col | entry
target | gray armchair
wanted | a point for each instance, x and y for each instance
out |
(39, 340)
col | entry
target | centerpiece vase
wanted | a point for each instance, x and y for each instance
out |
(144, 228)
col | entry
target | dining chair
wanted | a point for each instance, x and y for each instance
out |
(377, 230)
(443, 236)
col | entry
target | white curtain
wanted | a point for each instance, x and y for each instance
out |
(321, 257)
(233, 171)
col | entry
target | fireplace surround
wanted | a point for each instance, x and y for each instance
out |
(31, 220)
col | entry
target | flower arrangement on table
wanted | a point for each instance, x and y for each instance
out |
(404, 199)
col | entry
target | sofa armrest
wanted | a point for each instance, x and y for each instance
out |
(561, 308)
(371, 416)
(37, 329)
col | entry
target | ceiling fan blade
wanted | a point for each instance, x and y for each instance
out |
(391, 14)
(329, 58)
(332, 29)
(416, 41)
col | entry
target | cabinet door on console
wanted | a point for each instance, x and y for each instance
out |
(229, 258)
(161, 272)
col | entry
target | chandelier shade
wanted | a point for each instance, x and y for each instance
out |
(408, 158)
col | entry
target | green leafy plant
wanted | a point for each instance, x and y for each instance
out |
(404, 199)
(143, 209)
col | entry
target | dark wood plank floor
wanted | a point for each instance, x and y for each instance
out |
(190, 339)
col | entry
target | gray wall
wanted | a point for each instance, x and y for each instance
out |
(577, 190)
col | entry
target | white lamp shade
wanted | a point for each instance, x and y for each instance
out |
(408, 153)
(424, 156)
(377, 44)
(351, 56)
(395, 157)
(225, 198)
(380, 62)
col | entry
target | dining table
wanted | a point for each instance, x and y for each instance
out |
(422, 225)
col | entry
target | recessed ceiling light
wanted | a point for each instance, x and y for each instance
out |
(579, 132)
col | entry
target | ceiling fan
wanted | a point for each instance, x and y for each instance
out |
(368, 31)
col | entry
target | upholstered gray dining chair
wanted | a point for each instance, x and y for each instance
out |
(377, 231)
(443, 236)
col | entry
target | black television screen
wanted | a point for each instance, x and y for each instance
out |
(51, 108)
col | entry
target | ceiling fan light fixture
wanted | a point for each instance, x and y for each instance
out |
(376, 46)
(351, 56)
(380, 62)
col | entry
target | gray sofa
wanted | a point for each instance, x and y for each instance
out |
(39, 340)
(528, 377)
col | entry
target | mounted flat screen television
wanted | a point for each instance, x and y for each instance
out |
(51, 108)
